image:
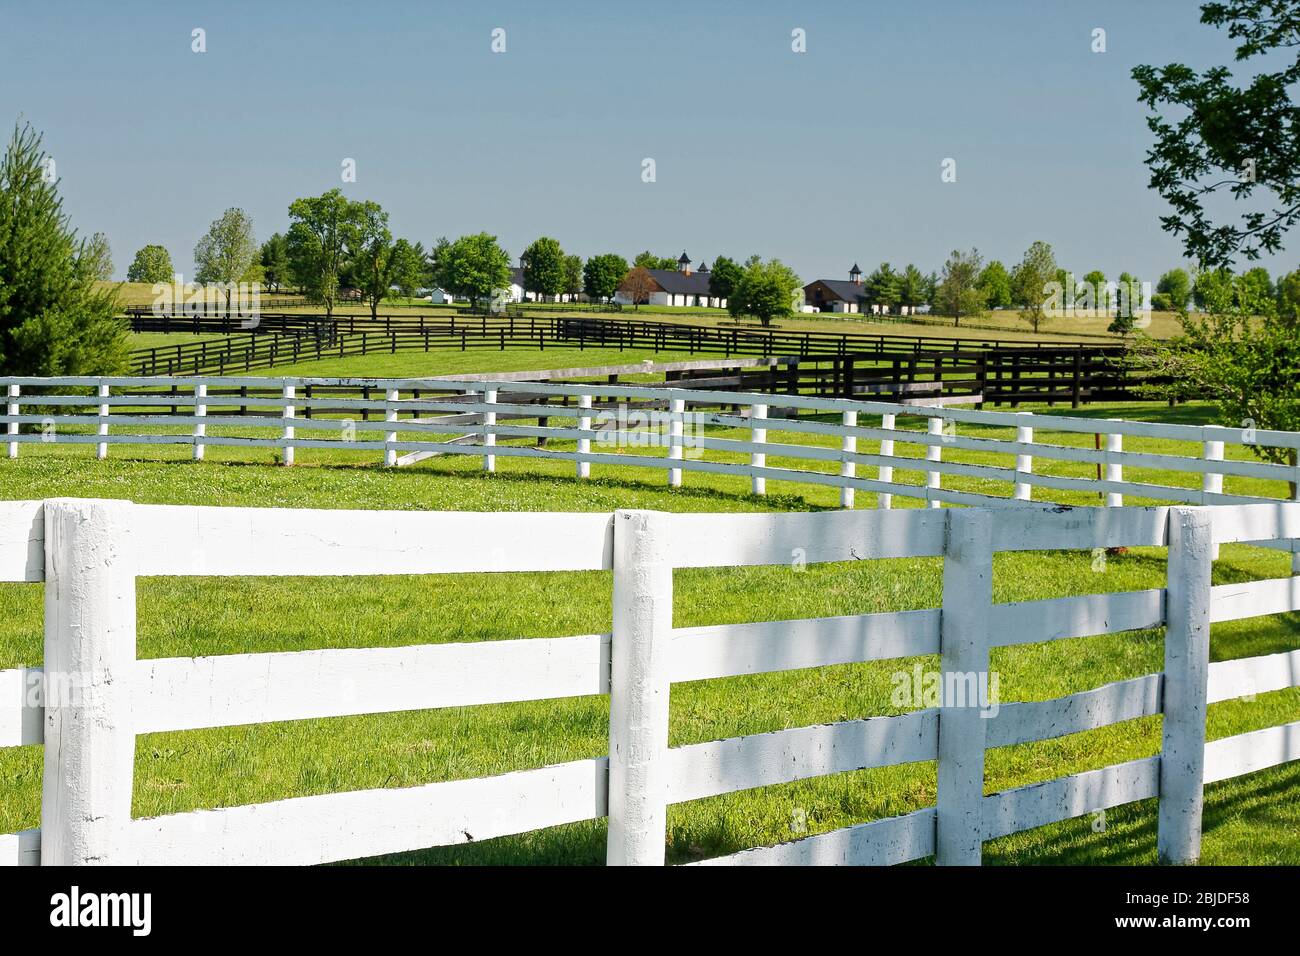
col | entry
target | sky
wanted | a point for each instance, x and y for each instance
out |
(822, 158)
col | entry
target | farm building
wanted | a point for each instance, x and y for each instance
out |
(517, 293)
(683, 286)
(840, 295)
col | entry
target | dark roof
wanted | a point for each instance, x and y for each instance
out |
(679, 283)
(704, 267)
(843, 289)
(517, 276)
(855, 271)
(684, 257)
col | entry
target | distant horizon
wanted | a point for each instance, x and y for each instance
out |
(822, 158)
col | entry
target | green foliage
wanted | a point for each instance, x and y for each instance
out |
(767, 290)
(98, 257)
(226, 251)
(543, 265)
(724, 276)
(54, 318)
(572, 274)
(648, 260)
(151, 264)
(912, 287)
(1239, 141)
(1029, 282)
(958, 292)
(319, 232)
(602, 274)
(995, 283)
(473, 267)
(1288, 296)
(276, 271)
(1177, 285)
(882, 286)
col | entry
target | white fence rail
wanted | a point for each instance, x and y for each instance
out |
(92, 697)
(492, 421)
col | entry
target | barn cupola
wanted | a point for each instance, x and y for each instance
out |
(855, 275)
(704, 267)
(684, 263)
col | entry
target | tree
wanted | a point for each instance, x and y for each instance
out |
(724, 276)
(543, 265)
(995, 282)
(766, 290)
(959, 292)
(407, 272)
(912, 287)
(638, 285)
(1176, 284)
(151, 264)
(572, 275)
(473, 267)
(1030, 282)
(369, 247)
(99, 257)
(881, 287)
(1288, 296)
(1255, 292)
(275, 262)
(602, 274)
(54, 317)
(319, 232)
(226, 251)
(648, 260)
(1228, 140)
(1213, 284)
(1128, 300)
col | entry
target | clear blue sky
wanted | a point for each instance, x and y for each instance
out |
(822, 158)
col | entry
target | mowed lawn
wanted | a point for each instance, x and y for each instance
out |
(1255, 819)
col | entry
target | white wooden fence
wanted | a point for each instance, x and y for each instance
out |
(485, 411)
(93, 695)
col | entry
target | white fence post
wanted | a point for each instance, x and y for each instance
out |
(964, 667)
(14, 392)
(1295, 495)
(90, 570)
(1187, 667)
(676, 408)
(933, 453)
(200, 413)
(848, 469)
(289, 411)
(639, 685)
(584, 444)
(1024, 491)
(757, 459)
(1114, 470)
(489, 434)
(101, 450)
(886, 472)
(1212, 482)
(390, 415)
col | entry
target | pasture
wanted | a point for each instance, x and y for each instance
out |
(1253, 819)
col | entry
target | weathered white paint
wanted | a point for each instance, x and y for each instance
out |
(886, 472)
(639, 686)
(200, 413)
(1114, 468)
(1234, 602)
(1018, 723)
(964, 650)
(1039, 804)
(1246, 753)
(934, 453)
(676, 409)
(728, 650)
(101, 452)
(344, 826)
(489, 434)
(15, 391)
(1024, 463)
(584, 444)
(90, 569)
(886, 842)
(22, 716)
(390, 438)
(1247, 676)
(22, 541)
(192, 692)
(757, 459)
(760, 760)
(1030, 622)
(1187, 658)
(21, 849)
(288, 434)
(849, 446)
(1212, 482)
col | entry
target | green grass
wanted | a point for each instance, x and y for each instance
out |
(1255, 819)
